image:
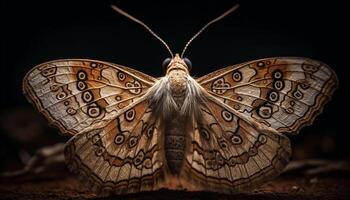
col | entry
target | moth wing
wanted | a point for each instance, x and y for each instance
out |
(229, 154)
(76, 94)
(283, 93)
(122, 157)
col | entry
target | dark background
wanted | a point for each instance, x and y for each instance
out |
(37, 31)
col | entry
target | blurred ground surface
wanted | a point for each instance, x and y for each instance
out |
(66, 186)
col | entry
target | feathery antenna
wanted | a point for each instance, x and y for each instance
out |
(120, 11)
(208, 24)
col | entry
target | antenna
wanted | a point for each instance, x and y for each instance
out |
(208, 24)
(120, 11)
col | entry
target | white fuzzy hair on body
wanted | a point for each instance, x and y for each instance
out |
(161, 98)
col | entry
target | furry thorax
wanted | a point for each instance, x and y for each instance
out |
(164, 103)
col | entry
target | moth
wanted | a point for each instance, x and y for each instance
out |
(224, 132)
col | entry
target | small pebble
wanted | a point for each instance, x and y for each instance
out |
(313, 180)
(294, 187)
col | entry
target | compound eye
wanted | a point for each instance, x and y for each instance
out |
(188, 63)
(166, 63)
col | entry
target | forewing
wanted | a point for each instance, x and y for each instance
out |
(122, 157)
(282, 93)
(78, 93)
(228, 154)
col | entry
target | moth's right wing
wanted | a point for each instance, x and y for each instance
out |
(283, 93)
(238, 143)
(228, 154)
(76, 94)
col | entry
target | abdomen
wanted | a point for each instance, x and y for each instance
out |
(175, 143)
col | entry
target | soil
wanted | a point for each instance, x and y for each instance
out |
(66, 186)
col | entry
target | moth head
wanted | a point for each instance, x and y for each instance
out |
(177, 63)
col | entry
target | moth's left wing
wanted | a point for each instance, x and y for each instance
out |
(125, 156)
(282, 93)
(76, 94)
(229, 154)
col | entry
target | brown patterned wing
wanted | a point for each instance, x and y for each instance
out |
(228, 154)
(122, 157)
(77, 93)
(282, 93)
